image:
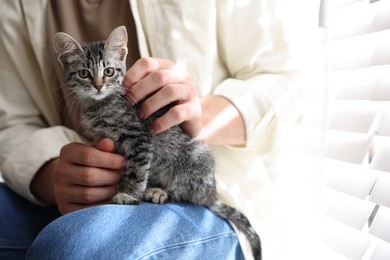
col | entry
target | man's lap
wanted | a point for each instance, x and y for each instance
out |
(144, 231)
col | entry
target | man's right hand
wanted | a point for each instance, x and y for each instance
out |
(83, 176)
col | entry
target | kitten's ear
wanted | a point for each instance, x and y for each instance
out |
(116, 43)
(67, 48)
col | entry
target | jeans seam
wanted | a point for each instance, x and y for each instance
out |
(178, 245)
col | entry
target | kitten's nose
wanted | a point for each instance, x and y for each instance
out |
(98, 84)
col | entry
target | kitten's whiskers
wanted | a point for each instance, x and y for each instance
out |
(129, 99)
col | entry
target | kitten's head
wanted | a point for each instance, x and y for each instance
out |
(93, 70)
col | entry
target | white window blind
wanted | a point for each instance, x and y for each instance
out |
(359, 110)
(345, 129)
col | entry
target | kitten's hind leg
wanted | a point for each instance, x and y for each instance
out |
(156, 195)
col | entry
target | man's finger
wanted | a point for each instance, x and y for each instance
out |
(143, 67)
(105, 144)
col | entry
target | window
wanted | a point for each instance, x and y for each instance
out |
(342, 138)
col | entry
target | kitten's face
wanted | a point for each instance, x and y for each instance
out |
(95, 73)
(94, 70)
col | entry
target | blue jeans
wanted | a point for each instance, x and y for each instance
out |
(145, 231)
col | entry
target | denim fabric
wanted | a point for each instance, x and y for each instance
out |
(20, 223)
(145, 231)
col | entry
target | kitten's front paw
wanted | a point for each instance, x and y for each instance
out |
(124, 199)
(156, 195)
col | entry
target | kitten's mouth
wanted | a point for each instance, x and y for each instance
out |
(99, 95)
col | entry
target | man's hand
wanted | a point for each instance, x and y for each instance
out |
(81, 177)
(160, 83)
(86, 176)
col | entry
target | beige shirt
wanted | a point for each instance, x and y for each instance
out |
(233, 48)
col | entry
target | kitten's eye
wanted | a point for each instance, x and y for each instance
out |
(84, 73)
(109, 72)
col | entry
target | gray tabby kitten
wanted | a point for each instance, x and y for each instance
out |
(167, 166)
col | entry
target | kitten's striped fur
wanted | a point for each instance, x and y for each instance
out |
(167, 166)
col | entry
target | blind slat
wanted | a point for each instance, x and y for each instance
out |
(381, 153)
(384, 123)
(361, 51)
(381, 90)
(347, 146)
(363, 18)
(381, 193)
(335, 4)
(349, 178)
(381, 225)
(353, 117)
(381, 252)
(339, 145)
(346, 240)
(348, 209)
(370, 83)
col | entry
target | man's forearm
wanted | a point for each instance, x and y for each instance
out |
(222, 122)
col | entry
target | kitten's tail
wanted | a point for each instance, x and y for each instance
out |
(242, 224)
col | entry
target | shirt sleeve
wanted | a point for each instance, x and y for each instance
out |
(27, 155)
(28, 135)
(264, 79)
